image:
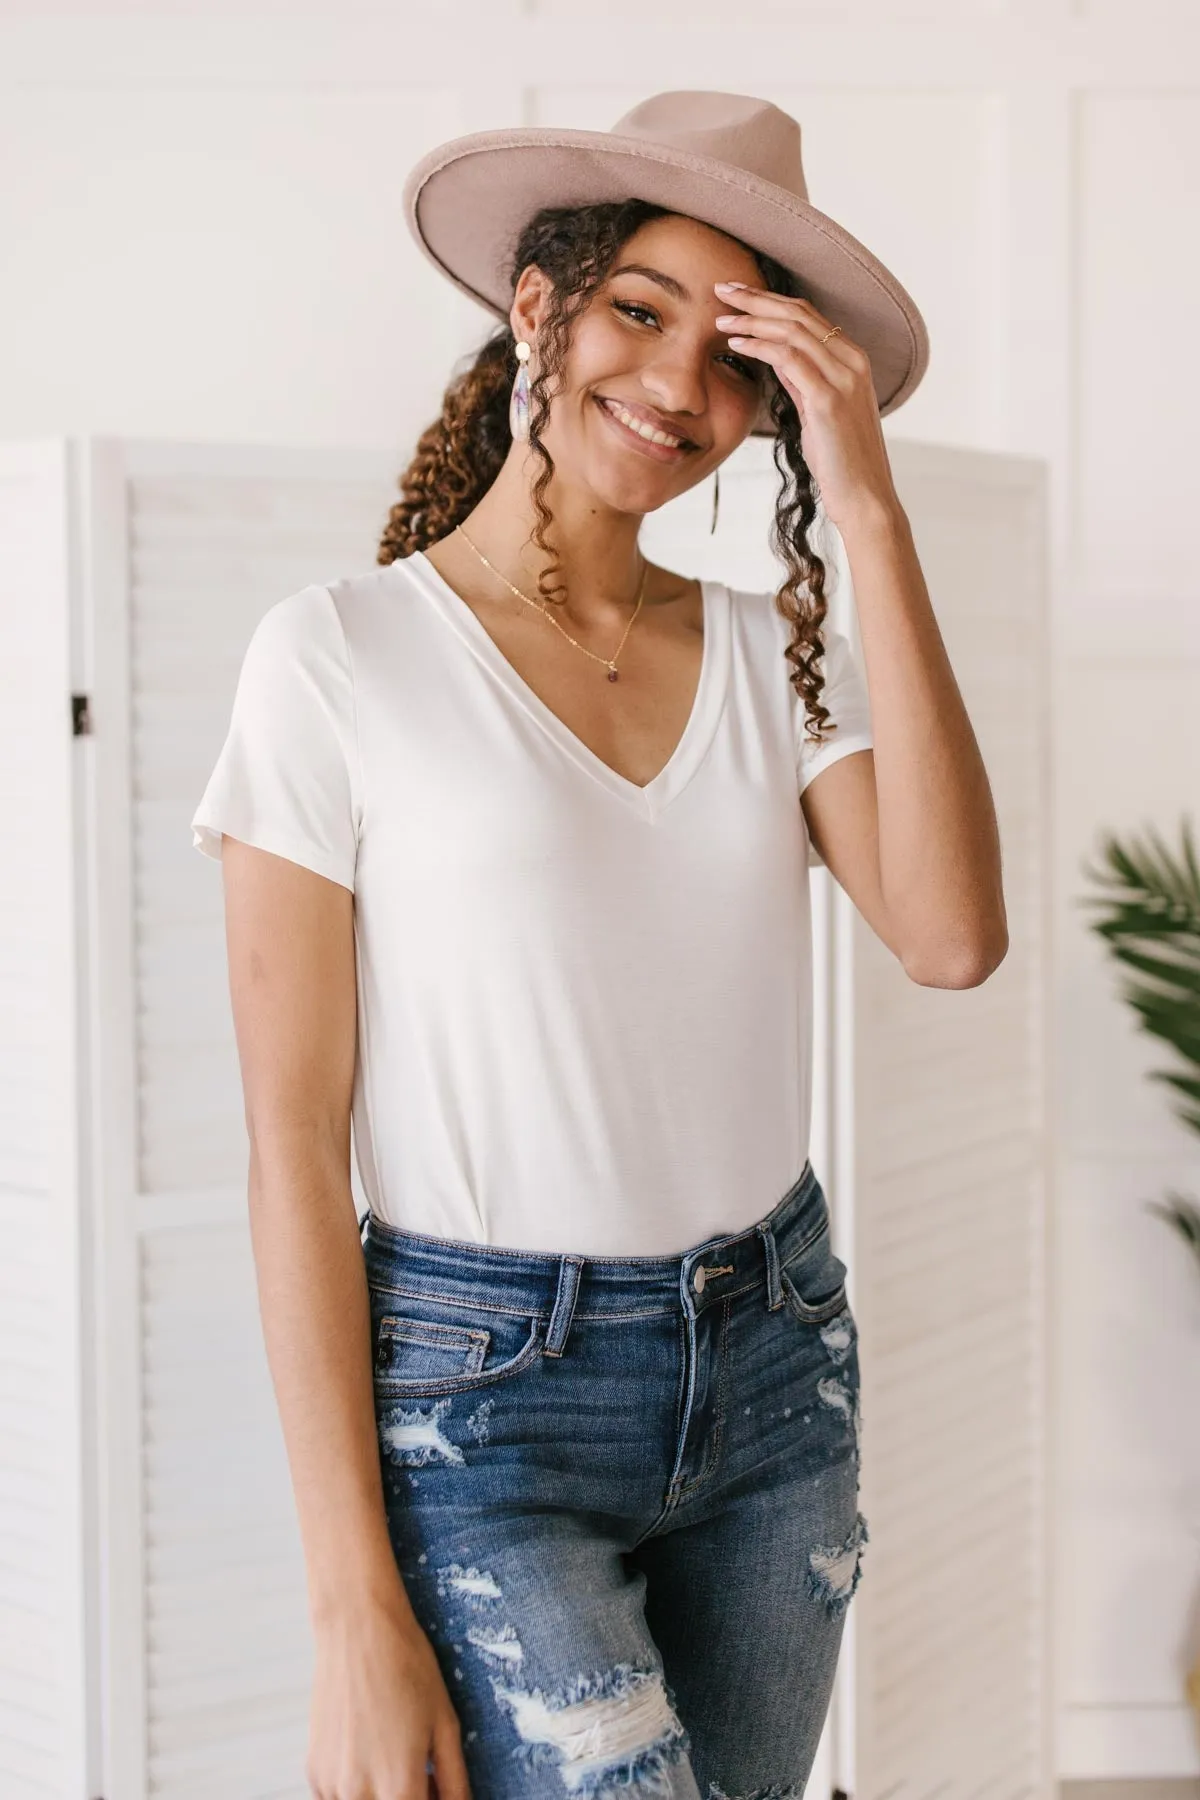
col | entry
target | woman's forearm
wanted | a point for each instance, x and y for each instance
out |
(316, 1324)
(939, 842)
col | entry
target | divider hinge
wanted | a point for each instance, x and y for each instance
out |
(81, 715)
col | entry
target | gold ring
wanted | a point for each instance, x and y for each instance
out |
(829, 334)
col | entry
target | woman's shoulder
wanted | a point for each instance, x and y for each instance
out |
(297, 630)
(756, 618)
(326, 618)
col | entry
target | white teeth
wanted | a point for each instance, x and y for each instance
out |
(646, 431)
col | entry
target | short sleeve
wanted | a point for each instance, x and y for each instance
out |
(845, 695)
(287, 777)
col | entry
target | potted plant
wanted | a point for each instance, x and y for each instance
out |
(1150, 921)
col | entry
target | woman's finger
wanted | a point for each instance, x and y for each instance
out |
(787, 332)
(451, 1771)
(762, 306)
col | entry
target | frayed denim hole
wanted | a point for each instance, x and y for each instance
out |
(606, 1732)
(834, 1570)
(413, 1435)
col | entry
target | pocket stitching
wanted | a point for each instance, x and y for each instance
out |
(804, 1310)
(433, 1334)
(379, 1289)
(416, 1385)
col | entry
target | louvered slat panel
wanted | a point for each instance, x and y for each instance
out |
(209, 552)
(228, 1655)
(949, 1198)
(216, 537)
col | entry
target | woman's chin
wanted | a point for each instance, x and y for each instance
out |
(629, 496)
(633, 483)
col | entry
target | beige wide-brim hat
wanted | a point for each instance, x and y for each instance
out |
(729, 160)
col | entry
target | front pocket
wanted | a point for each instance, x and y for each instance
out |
(428, 1348)
(814, 1283)
(427, 1356)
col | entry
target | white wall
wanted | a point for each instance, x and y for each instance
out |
(201, 239)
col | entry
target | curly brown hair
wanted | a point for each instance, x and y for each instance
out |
(461, 453)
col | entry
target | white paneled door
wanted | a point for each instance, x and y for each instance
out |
(151, 1476)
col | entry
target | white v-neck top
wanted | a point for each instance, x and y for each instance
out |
(585, 1006)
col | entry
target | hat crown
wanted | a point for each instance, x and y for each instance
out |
(737, 129)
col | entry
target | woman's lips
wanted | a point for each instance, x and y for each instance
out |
(659, 452)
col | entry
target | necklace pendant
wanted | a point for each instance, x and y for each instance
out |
(612, 674)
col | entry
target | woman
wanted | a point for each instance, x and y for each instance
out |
(516, 831)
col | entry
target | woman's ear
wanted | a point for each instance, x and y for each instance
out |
(529, 302)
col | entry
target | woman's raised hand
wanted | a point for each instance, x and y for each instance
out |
(828, 378)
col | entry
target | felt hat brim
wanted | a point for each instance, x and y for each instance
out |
(467, 201)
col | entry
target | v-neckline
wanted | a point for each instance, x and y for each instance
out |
(707, 703)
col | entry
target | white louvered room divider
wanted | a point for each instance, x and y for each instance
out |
(940, 1139)
(153, 1631)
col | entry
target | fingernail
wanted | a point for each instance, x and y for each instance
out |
(728, 286)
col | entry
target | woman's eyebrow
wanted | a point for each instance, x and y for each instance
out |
(675, 288)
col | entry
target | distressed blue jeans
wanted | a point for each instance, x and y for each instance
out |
(623, 1498)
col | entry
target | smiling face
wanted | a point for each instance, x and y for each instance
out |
(652, 398)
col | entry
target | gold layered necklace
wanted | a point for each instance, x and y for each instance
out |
(610, 662)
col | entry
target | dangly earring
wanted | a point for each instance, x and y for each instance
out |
(518, 404)
(716, 499)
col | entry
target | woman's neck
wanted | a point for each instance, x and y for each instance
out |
(597, 547)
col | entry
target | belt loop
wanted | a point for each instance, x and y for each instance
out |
(771, 1251)
(361, 1223)
(569, 1270)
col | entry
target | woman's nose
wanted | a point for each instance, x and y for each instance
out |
(675, 385)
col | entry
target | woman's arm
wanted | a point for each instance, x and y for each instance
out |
(909, 829)
(380, 1706)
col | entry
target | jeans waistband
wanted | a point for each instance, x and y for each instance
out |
(559, 1286)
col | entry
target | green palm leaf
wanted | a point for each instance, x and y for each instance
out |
(1184, 1216)
(1150, 919)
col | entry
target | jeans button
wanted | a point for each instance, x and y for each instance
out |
(698, 1279)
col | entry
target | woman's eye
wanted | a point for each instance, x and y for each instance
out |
(632, 306)
(749, 370)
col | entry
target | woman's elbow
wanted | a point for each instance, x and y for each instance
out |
(959, 966)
